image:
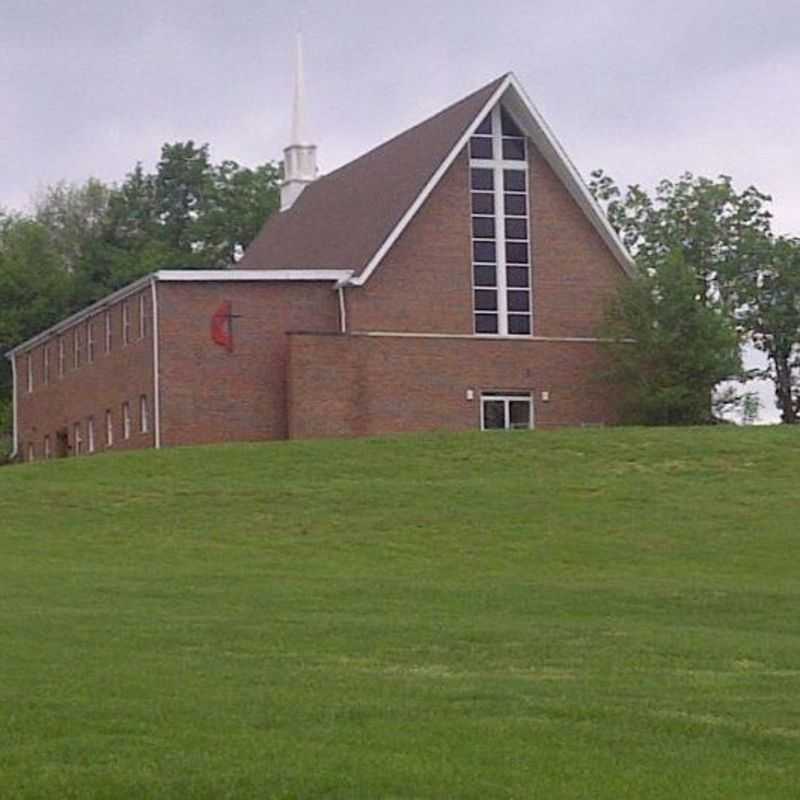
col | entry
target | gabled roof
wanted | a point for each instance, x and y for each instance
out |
(350, 218)
(342, 219)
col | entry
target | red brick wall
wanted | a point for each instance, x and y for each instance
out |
(424, 285)
(367, 385)
(122, 375)
(209, 395)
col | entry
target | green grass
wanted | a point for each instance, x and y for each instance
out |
(582, 614)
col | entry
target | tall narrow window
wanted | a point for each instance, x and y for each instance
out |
(77, 439)
(126, 323)
(126, 420)
(30, 373)
(501, 271)
(48, 451)
(142, 316)
(109, 429)
(46, 364)
(90, 434)
(144, 414)
(90, 342)
(60, 357)
(76, 348)
(107, 316)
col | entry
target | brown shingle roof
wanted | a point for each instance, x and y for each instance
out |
(341, 220)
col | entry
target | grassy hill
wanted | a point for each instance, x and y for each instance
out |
(582, 614)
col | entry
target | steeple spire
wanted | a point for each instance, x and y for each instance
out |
(300, 158)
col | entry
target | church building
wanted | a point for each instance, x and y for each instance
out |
(452, 278)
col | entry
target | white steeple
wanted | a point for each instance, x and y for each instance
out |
(299, 158)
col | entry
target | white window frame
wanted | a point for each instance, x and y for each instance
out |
(142, 317)
(109, 428)
(90, 342)
(108, 331)
(126, 420)
(144, 415)
(507, 398)
(90, 434)
(498, 165)
(126, 324)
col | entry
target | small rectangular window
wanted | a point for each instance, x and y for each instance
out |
(483, 227)
(90, 342)
(515, 205)
(484, 252)
(514, 180)
(481, 147)
(519, 324)
(107, 316)
(126, 324)
(511, 411)
(142, 317)
(109, 429)
(126, 420)
(518, 277)
(517, 228)
(516, 252)
(30, 374)
(46, 364)
(514, 149)
(486, 299)
(76, 348)
(144, 415)
(60, 357)
(485, 323)
(90, 434)
(519, 300)
(77, 439)
(482, 179)
(482, 203)
(485, 275)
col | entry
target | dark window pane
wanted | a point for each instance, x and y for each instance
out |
(486, 300)
(486, 126)
(486, 323)
(519, 301)
(494, 415)
(519, 324)
(516, 229)
(480, 147)
(482, 178)
(518, 277)
(513, 180)
(482, 203)
(485, 276)
(509, 127)
(519, 414)
(483, 227)
(516, 253)
(514, 149)
(484, 252)
(516, 205)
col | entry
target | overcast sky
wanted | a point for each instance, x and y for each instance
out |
(645, 90)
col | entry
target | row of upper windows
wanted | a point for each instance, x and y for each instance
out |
(82, 437)
(80, 346)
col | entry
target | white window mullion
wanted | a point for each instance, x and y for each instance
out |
(499, 224)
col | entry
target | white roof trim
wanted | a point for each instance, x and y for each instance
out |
(361, 279)
(335, 275)
(254, 275)
(535, 127)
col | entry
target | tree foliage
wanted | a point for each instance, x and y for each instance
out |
(83, 241)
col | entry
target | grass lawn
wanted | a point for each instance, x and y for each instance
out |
(579, 614)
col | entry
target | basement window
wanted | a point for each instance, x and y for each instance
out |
(506, 411)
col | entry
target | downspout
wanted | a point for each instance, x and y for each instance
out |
(342, 309)
(15, 411)
(156, 368)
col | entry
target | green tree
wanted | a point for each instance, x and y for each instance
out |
(668, 348)
(770, 313)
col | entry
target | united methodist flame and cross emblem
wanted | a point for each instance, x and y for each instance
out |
(222, 325)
